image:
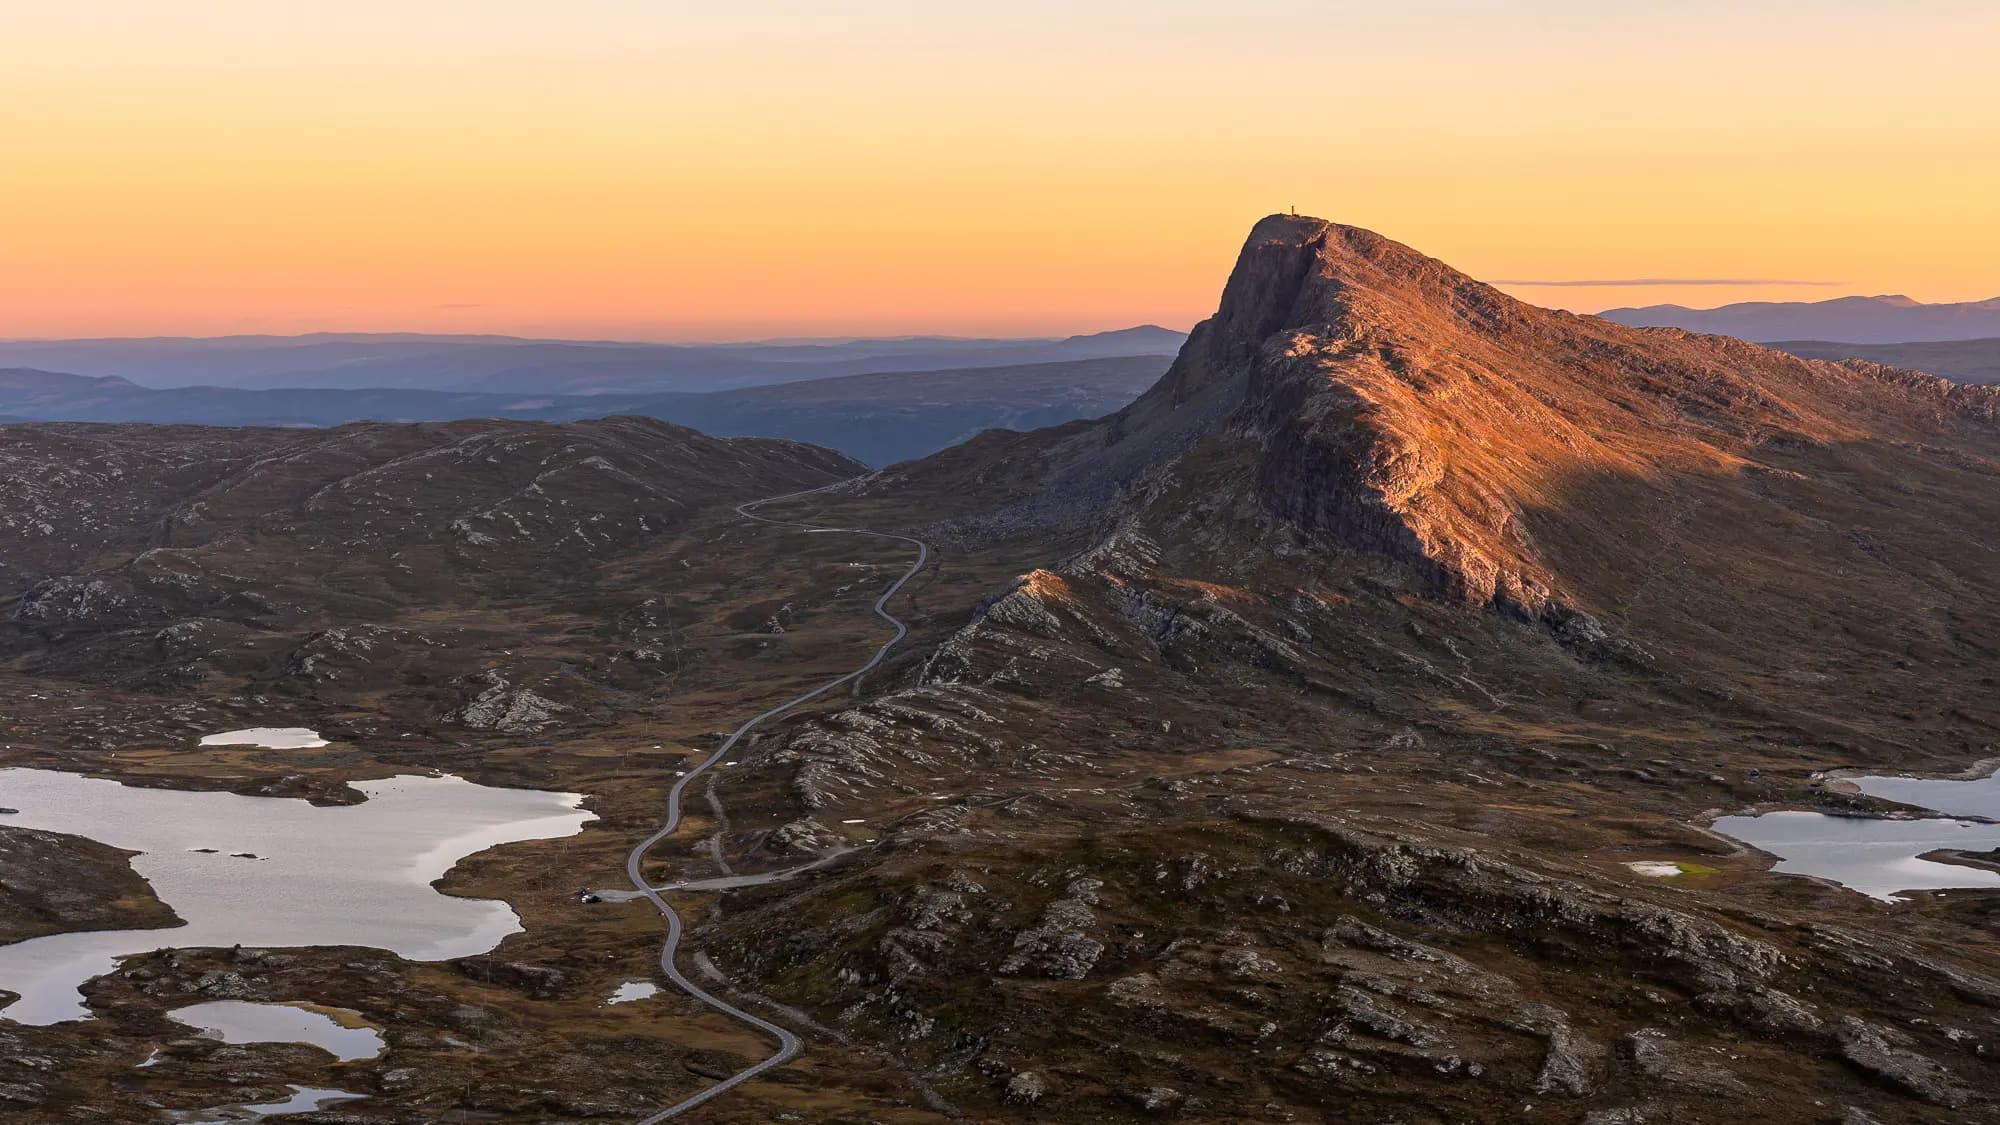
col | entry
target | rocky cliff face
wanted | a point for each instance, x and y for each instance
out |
(1396, 406)
(1403, 408)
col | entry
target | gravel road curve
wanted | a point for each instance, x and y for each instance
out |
(788, 1043)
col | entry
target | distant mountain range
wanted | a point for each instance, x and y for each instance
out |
(1891, 319)
(1961, 361)
(509, 365)
(878, 418)
(878, 400)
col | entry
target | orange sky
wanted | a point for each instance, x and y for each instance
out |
(691, 170)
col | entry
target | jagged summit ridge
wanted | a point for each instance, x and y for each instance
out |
(1298, 272)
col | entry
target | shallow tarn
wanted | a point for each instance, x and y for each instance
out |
(1877, 856)
(340, 875)
(633, 990)
(304, 1099)
(337, 1031)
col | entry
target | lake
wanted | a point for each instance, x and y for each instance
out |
(276, 871)
(1879, 857)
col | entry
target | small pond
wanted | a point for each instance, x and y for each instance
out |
(304, 1099)
(339, 1032)
(633, 990)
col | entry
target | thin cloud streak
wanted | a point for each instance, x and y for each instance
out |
(1637, 282)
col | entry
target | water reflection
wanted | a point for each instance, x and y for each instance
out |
(1878, 857)
(337, 1031)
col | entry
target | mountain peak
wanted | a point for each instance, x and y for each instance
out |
(1289, 227)
(1385, 401)
(1304, 274)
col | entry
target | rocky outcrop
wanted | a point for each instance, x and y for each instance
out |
(1766, 1009)
(802, 835)
(506, 709)
(1367, 1021)
(1656, 1055)
(1036, 608)
(1570, 1063)
(1026, 1088)
(61, 606)
(1057, 945)
(332, 654)
(1886, 1054)
(858, 749)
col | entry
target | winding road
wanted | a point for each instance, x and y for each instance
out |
(788, 1043)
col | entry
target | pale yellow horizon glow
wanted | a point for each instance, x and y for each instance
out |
(656, 169)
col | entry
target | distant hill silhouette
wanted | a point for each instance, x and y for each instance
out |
(1961, 361)
(502, 364)
(1890, 319)
(878, 418)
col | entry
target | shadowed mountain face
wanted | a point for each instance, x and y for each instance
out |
(1961, 361)
(1861, 320)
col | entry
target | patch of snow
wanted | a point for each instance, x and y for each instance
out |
(270, 738)
(1655, 869)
